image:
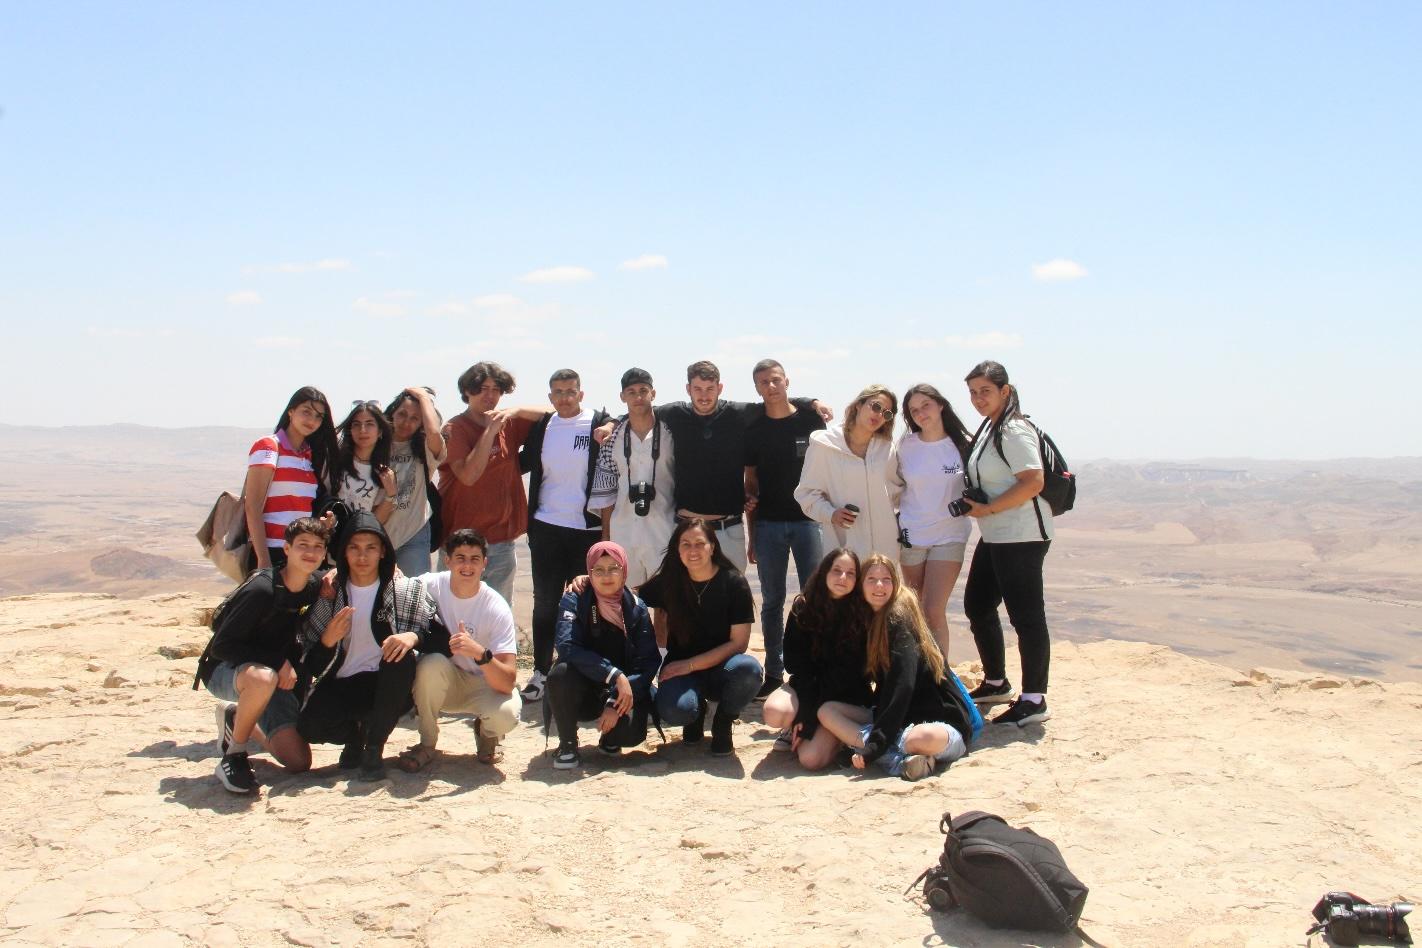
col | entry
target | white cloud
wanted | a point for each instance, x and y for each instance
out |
(1058, 270)
(803, 355)
(244, 298)
(450, 308)
(496, 300)
(648, 261)
(985, 340)
(378, 308)
(114, 332)
(324, 264)
(557, 275)
(277, 342)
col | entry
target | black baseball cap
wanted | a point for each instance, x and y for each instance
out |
(635, 376)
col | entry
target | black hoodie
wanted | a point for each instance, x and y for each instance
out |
(401, 605)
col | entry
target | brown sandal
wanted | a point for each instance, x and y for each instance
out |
(416, 758)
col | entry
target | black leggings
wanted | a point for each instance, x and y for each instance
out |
(364, 706)
(576, 697)
(558, 554)
(1010, 574)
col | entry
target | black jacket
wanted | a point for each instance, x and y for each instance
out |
(906, 694)
(834, 671)
(259, 623)
(597, 650)
(530, 461)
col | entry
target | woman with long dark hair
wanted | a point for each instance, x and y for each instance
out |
(702, 613)
(1016, 530)
(931, 457)
(922, 715)
(850, 480)
(363, 464)
(416, 451)
(825, 655)
(287, 471)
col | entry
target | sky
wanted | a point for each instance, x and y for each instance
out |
(1187, 230)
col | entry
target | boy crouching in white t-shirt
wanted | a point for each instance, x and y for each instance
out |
(473, 672)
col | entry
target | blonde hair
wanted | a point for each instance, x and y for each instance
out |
(851, 414)
(902, 607)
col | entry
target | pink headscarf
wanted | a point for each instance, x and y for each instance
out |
(609, 607)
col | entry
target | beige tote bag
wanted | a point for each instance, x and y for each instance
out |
(224, 540)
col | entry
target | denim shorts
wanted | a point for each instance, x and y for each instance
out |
(892, 759)
(943, 552)
(281, 711)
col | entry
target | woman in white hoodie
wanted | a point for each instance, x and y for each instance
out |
(851, 476)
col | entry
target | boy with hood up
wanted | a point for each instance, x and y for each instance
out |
(360, 640)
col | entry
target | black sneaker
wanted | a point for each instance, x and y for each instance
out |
(226, 718)
(768, 689)
(1023, 713)
(992, 694)
(350, 755)
(235, 773)
(696, 730)
(567, 757)
(721, 743)
(610, 748)
(372, 765)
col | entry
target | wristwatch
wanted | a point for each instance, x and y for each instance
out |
(488, 657)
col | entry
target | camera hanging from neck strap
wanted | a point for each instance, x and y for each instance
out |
(656, 447)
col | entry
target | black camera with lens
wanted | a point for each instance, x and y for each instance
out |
(960, 507)
(1348, 919)
(641, 494)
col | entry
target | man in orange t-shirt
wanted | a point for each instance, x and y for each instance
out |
(480, 484)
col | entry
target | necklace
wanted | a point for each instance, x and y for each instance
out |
(702, 591)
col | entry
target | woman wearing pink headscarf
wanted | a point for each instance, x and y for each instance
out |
(607, 659)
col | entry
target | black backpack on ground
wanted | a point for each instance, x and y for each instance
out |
(1006, 877)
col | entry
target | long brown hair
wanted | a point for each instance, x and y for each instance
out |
(901, 609)
(836, 626)
(675, 581)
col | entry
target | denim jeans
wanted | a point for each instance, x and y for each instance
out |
(775, 541)
(892, 760)
(734, 684)
(499, 570)
(281, 711)
(413, 556)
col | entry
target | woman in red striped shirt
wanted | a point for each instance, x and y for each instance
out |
(287, 470)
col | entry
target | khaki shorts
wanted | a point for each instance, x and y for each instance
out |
(943, 552)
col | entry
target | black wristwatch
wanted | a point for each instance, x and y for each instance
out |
(488, 657)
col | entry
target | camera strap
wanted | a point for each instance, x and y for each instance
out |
(656, 447)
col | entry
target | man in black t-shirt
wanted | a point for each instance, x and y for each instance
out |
(775, 454)
(709, 469)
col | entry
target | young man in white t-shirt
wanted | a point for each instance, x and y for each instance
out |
(475, 673)
(559, 456)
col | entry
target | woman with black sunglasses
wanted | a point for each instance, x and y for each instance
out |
(851, 476)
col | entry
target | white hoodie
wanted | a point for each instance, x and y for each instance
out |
(834, 476)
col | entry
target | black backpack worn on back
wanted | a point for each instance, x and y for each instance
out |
(1007, 877)
(1058, 482)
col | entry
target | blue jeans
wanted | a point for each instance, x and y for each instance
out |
(775, 541)
(892, 760)
(734, 684)
(500, 569)
(413, 556)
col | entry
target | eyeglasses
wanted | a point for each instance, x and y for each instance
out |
(606, 572)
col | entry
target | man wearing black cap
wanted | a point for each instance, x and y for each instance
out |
(634, 487)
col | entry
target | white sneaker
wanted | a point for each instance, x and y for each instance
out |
(782, 742)
(533, 691)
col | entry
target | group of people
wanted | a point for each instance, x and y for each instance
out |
(640, 530)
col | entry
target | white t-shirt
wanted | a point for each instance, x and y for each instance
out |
(563, 491)
(362, 652)
(364, 491)
(933, 478)
(987, 469)
(412, 508)
(486, 617)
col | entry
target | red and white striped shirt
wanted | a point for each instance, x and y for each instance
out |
(292, 493)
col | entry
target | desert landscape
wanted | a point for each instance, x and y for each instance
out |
(1236, 672)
